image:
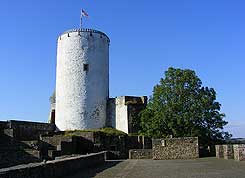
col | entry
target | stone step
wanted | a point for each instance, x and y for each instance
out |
(9, 142)
(34, 153)
(15, 157)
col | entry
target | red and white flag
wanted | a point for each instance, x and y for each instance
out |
(85, 14)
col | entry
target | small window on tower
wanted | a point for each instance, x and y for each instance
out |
(85, 67)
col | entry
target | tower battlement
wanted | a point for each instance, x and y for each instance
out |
(83, 30)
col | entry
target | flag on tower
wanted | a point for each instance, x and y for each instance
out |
(85, 14)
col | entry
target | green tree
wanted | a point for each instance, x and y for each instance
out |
(181, 106)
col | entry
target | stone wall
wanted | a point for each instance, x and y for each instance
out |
(86, 142)
(23, 130)
(175, 148)
(135, 106)
(239, 152)
(55, 140)
(140, 154)
(219, 151)
(127, 109)
(56, 168)
(19, 142)
(228, 152)
(14, 152)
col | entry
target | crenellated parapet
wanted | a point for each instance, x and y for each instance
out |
(81, 31)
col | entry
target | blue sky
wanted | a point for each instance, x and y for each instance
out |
(147, 37)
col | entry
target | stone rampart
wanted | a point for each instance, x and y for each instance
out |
(140, 154)
(56, 168)
(175, 148)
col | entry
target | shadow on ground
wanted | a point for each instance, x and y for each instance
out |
(92, 172)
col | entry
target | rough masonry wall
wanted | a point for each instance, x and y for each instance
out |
(23, 130)
(239, 152)
(135, 106)
(82, 80)
(140, 154)
(219, 151)
(175, 148)
(228, 151)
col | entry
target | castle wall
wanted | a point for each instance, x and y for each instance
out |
(175, 148)
(219, 151)
(140, 154)
(239, 152)
(228, 151)
(23, 130)
(127, 112)
(82, 80)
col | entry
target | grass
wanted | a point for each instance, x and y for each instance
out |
(105, 131)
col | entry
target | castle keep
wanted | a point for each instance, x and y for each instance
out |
(81, 98)
(82, 79)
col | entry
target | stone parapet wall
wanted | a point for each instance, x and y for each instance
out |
(175, 148)
(219, 151)
(140, 154)
(228, 152)
(239, 152)
(23, 130)
(56, 168)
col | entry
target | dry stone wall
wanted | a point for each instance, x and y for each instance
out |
(140, 154)
(239, 152)
(175, 148)
(219, 151)
(228, 151)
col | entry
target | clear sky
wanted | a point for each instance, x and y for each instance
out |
(147, 37)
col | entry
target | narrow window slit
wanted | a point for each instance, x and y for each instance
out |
(85, 67)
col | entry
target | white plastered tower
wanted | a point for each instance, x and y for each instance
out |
(82, 79)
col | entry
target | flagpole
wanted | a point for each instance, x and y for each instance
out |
(81, 20)
(83, 14)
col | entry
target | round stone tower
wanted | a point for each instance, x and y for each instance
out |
(82, 79)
